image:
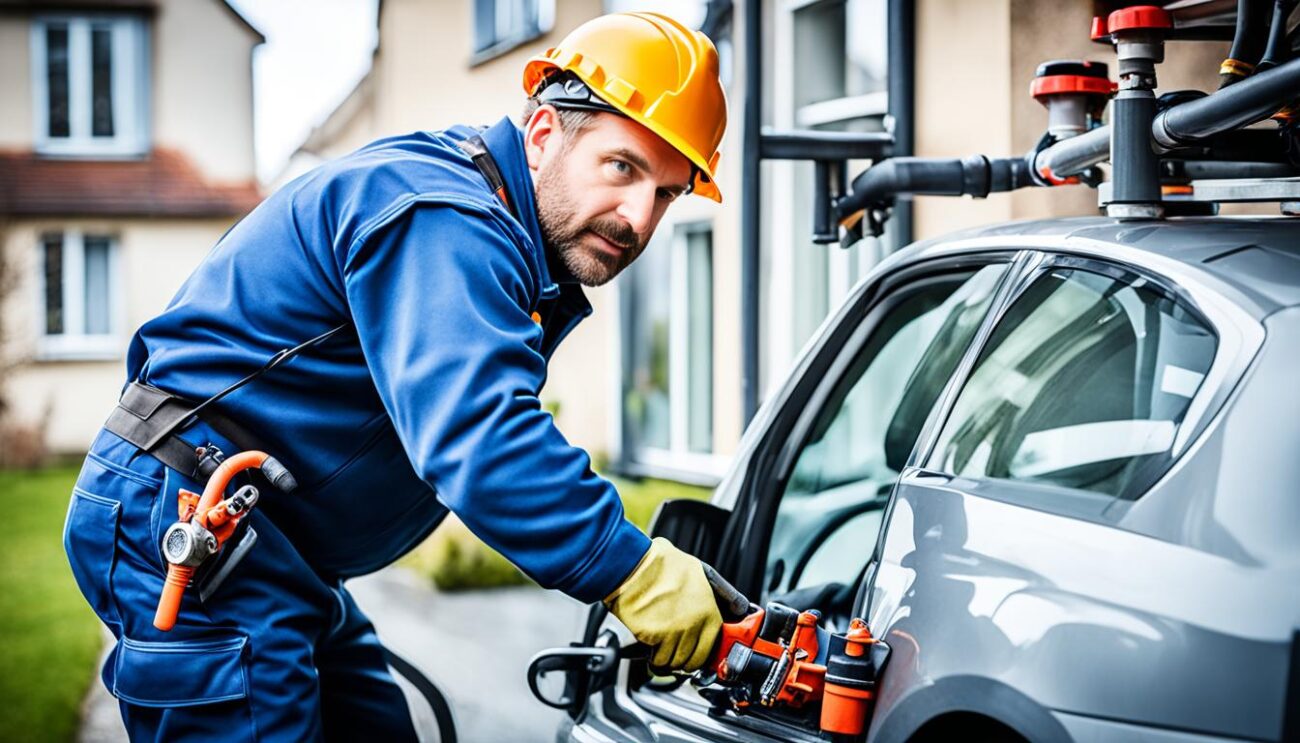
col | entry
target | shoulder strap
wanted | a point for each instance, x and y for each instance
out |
(478, 152)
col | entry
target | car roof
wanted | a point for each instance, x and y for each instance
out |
(1260, 256)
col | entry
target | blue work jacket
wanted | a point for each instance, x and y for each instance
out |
(432, 403)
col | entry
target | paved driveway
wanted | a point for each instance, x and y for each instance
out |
(475, 646)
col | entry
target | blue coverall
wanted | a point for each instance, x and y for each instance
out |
(431, 405)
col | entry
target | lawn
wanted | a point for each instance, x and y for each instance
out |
(51, 638)
(455, 559)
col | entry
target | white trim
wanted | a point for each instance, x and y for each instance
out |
(679, 387)
(130, 83)
(74, 344)
(842, 109)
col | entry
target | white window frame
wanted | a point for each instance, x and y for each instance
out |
(506, 37)
(74, 344)
(678, 461)
(843, 269)
(130, 83)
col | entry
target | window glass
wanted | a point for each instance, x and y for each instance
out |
(97, 280)
(508, 22)
(52, 272)
(834, 62)
(667, 302)
(1083, 385)
(699, 327)
(829, 514)
(646, 347)
(56, 71)
(101, 55)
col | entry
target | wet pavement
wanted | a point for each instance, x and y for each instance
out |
(475, 645)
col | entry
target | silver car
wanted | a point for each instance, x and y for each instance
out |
(1053, 464)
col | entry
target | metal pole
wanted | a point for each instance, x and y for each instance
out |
(751, 222)
(902, 100)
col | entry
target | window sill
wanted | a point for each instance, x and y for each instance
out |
(78, 348)
(689, 468)
(503, 47)
(88, 149)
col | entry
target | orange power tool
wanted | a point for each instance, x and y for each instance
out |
(779, 657)
(206, 522)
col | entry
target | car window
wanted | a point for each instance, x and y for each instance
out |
(829, 513)
(1082, 386)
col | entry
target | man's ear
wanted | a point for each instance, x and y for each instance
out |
(541, 133)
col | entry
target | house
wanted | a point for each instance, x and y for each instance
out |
(652, 382)
(126, 151)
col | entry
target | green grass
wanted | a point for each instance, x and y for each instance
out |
(454, 559)
(50, 636)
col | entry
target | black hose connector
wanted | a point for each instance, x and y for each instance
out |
(279, 475)
(1247, 43)
(1242, 104)
(878, 186)
(1278, 50)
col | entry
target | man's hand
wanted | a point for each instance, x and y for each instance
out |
(668, 604)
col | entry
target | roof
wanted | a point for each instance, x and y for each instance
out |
(164, 184)
(1259, 256)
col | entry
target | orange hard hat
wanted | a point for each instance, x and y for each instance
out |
(656, 72)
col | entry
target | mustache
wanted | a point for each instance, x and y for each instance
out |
(619, 233)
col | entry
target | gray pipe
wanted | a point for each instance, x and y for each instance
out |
(1253, 99)
(1076, 154)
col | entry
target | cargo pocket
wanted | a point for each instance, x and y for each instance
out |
(90, 539)
(184, 673)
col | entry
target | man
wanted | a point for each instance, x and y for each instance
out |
(435, 274)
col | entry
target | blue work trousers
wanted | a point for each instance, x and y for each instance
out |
(275, 652)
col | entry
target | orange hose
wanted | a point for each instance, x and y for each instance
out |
(216, 488)
(178, 577)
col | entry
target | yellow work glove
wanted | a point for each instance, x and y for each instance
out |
(668, 604)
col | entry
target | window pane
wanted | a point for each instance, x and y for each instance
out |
(101, 81)
(646, 347)
(56, 71)
(842, 50)
(699, 277)
(484, 24)
(97, 285)
(1083, 386)
(827, 519)
(52, 267)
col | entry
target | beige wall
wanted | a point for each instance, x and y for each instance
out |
(155, 257)
(202, 96)
(15, 82)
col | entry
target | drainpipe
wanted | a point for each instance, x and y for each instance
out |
(902, 100)
(751, 222)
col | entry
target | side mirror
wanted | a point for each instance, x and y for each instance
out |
(692, 526)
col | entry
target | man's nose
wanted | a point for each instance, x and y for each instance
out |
(638, 211)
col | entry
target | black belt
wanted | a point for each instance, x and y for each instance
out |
(147, 417)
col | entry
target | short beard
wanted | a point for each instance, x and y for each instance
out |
(563, 234)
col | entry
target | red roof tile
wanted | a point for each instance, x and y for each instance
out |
(164, 184)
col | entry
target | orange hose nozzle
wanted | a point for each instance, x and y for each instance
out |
(169, 604)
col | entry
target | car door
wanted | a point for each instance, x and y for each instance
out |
(816, 481)
(1010, 584)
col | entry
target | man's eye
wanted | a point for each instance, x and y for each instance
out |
(667, 195)
(621, 167)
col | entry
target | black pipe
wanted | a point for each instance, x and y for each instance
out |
(751, 222)
(1248, 41)
(1245, 103)
(878, 186)
(819, 145)
(1278, 50)
(902, 98)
